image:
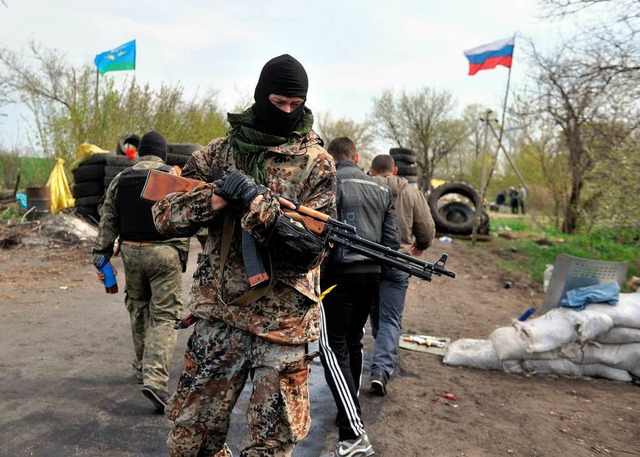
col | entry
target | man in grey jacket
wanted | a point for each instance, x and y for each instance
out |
(416, 229)
(368, 206)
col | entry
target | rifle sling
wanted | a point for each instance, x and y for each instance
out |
(253, 294)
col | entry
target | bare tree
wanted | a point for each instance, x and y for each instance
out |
(360, 134)
(66, 111)
(421, 121)
(578, 102)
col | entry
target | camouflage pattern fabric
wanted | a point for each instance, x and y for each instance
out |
(301, 171)
(153, 297)
(218, 361)
(109, 218)
(153, 291)
(267, 338)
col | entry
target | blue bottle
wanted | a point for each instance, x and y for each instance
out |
(104, 266)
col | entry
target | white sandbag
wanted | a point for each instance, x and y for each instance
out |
(620, 335)
(625, 314)
(512, 366)
(472, 353)
(622, 356)
(588, 324)
(569, 368)
(509, 344)
(549, 331)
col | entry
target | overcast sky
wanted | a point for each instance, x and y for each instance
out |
(352, 50)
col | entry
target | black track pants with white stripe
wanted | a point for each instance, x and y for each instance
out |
(344, 314)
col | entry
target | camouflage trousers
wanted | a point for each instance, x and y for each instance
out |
(153, 297)
(218, 360)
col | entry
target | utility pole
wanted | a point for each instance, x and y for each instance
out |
(483, 181)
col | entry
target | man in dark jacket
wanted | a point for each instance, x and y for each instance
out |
(368, 206)
(152, 267)
(416, 229)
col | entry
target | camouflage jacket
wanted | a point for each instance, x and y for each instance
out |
(110, 219)
(301, 171)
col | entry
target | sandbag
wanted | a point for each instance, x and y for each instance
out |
(625, 314)
(588, 324)
(622, 356)
(473, 353)
(569, 368)
(549, 331)
(620, 335)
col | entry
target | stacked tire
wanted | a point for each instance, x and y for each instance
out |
(88, 186)
(93, 176)
(407, 163)
(453, 207)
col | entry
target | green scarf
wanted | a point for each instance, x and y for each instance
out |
(249, 145)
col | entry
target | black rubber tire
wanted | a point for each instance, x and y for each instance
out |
(184, 149)
(87, 189)
(111, 170)
(94, 200)
(402, 158)
(130, 138)
(88, 212)
(119, 161)
(177, 159)
(410, 170)
(459, 188)
(457, 212)
(394, 151)
(90, 172)
(98, 157)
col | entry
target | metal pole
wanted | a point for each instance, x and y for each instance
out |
(483, 186)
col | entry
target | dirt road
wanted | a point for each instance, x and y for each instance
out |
(68, 388)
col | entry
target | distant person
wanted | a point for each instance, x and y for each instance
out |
(522, 196)
(258, 335)
(367, 205)
(501, 198)
(416, 230)
(153, 266)
(513, 200)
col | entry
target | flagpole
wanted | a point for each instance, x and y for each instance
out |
(95, 107)
(485, 183)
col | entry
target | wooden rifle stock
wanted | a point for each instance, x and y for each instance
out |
(160, 184)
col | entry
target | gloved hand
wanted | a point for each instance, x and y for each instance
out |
(237, 189)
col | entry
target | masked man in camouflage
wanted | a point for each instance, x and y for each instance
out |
(153, 266)
(270, 151)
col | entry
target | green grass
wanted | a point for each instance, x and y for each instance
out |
(34, 171)
(533, 248)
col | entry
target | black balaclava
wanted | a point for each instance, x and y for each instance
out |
(282, 75)
(153, 144)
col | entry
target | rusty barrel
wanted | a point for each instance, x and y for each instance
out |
(38, 198)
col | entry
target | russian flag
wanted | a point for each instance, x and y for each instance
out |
(490, 55)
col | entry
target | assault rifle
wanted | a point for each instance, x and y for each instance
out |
(336, 233)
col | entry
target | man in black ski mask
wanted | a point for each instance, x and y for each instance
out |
(262, 332)
(280, 95)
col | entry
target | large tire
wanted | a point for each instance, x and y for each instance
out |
(411, 179)
(98, 157)
(90, 172)
(457, 212)
(88, 201)
(177, 159)
(395, 151)
(184, 149)
(404, 170)
(112, 170)
(119, 161)
(132, 139)
(404, 159)
(87, 189)
(457, 188)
